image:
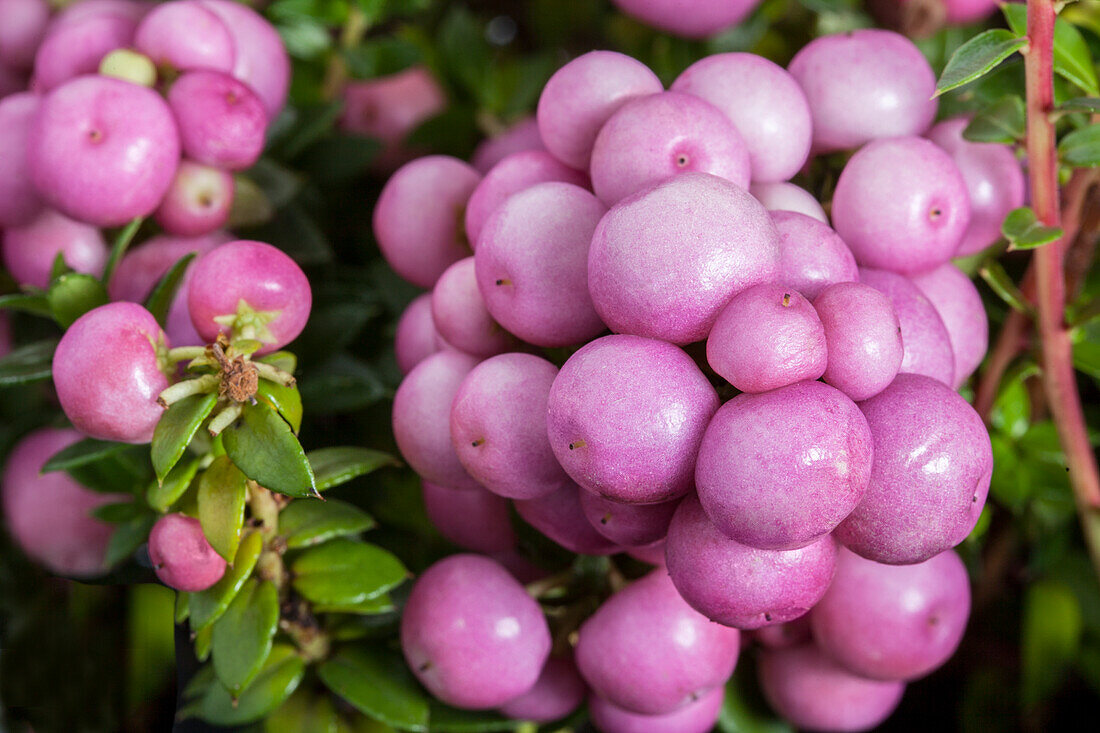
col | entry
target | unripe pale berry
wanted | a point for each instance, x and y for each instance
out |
(473, 519)
(107, 373)
(30, 250)
(181, 555)
(812, 255)
(221, 120)
(197, 202)
(472, 635)
(863, 336)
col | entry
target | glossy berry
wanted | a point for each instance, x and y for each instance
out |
(863, 336)
(560, 516)
(182, 557)
(609, 418)
(461, 316)
(74, 45)
(251, 290)
(107, 373)
(812, 255)
(184, 35)
(698, 716)
(197, 202)
(785, 196)
(558, 692)
(29, 251)
(473, 519)
(221, 120)
(472, 635)
(675, 654)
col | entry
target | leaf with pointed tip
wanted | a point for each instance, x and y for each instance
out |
(264, 448)
(993, 272)
(344, 571)
(977, 57)
(175, 429)
(121, 244)
(222, 492)
(164, 292)
(1072, 59)
(59, 267)
(277, 680)
(243, 635)
(311, 522)
(338, 465)
(30, 363)
(1089, 105)
(34, 303)
(286, 401)
(162, 495)
(207, 606)
(183, 606)
(204, 638)
(377, 683)
(1024, 231)
(284, 360)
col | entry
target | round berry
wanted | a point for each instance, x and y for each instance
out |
(812, 255)
(417, 337)
(184, 35)
(698, 716)
(30, 250)
(261, 59)
(523, 135)
(783, 196)
(694, 19)
(182, 557)
(633, 525)
(461, 316)
(560, 516)
(221, 121)
(197, 202)
(24, 26)
(473, 519)
(19, 202)
(960, 306)
(558, 692)
(863, 337)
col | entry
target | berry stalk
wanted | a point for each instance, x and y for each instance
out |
(1058, 377)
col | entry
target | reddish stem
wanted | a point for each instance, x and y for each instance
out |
(1059, 380)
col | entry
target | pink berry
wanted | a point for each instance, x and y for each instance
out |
(473, 519)
(905, 223)
(184, 35)
(558, 692)
(23, 29)
(653, 554)
(783, 636)
(816, 694)
(812, 255)
(893, 622)
(625, 418)
(741, 586)
(633, 525)
(75, 47)
(418, 220)
(930, 475)
(767, 336)
(581, 96)
(388, 108)
(689, 18)
(532, 264)
(785, 196)
(655, 137)
(698, 716)
(960, 306)
(261, 58)
(49, 514)
(417, 337)
(30, 250)
(994, 181)
(461, 316)
(522, 135)
(108, 375)
(103, 150)
(863, 85)
(648, 651)
(863, 336)
(181, 556)
(560, 516)
(763, 102)
(19, 202)
(968, 11)
(251, 290)
(647, 279)
(498, 426)
(472, 635)
(197, 202)
(221, 121)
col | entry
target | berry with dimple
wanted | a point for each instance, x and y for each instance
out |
(863, 336)
(29, 251)
(221, 121)
(812, 254)
(252, 290)
(181, 555)
(473, 519)
(698, 716)
(461, 316)
(633, 525)
(108, 374)
(197, 202)
(472, 635)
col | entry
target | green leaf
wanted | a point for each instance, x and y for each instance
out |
(1072, 59)
(74, 294)
(1001, 122)
(314, 123)
(82, 453)
(1086, 358)
(280, 676)
(284, 360)
(175, 429)
(344, 571)
(338, 465)
(446, 719)
(207, 606)
(161, 495)
(243, 635)
(264, 448)
(308, 522)
(34, 303)
(59, 267)
(995, 276)
(204, 639)
(127, 470)
(119, 512)
(222, 492)
(977, 57)
(1012, 408)
(370, 607)
(1051, 633)
(121, 243)
(126, 538)
(1090, 105)
(30, 363)
(1024, 231)
(164, 292)
(183, 606)
(1081, 148)
(286, 400)
(378, 684)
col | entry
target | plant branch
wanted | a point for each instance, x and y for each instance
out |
(1059, 380)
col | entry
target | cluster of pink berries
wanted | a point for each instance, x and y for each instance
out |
(132, 109)
(821, 515)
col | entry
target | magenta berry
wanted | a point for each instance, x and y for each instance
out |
(633, 525)
(388, 108)
(698, 716)
(181, 556)
(863, 336)
(523, 135)
(417, 337)
(812, 255)
(560, 516)
(960, 306)
(24, 26)
(558, 692)
(108, 375)
(29, 251)
(250, 290)
(472, 635)
(184, 35)
(473, 519)
(197, 202)
(261, 59)
(75, 47)
(696, 19)
(221, 120)
(19, 202)
(461, 316)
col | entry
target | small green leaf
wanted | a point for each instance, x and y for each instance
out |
(1072, 59)
(204, 639)
(1051, 633)
(1001, 122)
(121, 243)
(1024, 231)
(183, 606)
(74, 294)
(59, 267)
(126, 470)
(286, 400)
(162, 495)
(34, 303)
(378, 684)
(446, 719)
(370, 607)
(338, 465)
(207, 606)
(346, 572)
(119, 512)
(977, 57)
(164, 292)
(1086, 358)
(995, 276)
(284, 360)
(264, 448)
(82, 453)
(1089, 105)
(243, 635)
(1081, 148)
(222, 492)
(280, 676)
(126, 538)
(30, 363)
(308, 522)
(175, 429)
